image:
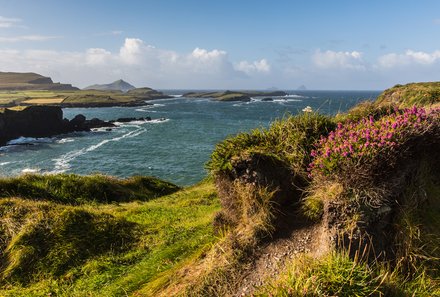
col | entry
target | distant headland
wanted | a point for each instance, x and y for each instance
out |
(28, 89)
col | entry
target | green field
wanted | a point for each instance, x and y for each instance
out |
(77, 98)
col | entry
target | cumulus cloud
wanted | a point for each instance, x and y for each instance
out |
(261, 66)
(136, 61)
(342, 60)
(28, 38)
(9, 22)
(410, 57)
(97, 56)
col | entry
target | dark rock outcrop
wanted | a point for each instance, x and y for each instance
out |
(42, 121)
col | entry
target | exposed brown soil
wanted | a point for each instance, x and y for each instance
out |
(295, 236)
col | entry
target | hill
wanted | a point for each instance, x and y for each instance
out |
(14, 81)
(119, 85)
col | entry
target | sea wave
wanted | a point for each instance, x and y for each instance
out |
(65, 140)
(62, 164)
(137, 122)
(294, 96)
(5, 163)
(29, 140)
(30, 170)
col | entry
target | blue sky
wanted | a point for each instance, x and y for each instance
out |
(224, 44)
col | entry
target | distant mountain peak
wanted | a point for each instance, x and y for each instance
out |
(118, 85)
(302, 88)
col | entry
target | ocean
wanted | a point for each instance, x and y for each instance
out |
(174, 148)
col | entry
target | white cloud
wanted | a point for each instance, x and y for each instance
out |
(27, 38)
(342, 60)
(134, 51)
(261, 66)
(97, 56)
(137, 62)
(9, 22)
(410, 57)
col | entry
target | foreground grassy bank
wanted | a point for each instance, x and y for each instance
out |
(98, 247)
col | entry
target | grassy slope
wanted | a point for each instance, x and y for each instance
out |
(130, 244)
(420, 94)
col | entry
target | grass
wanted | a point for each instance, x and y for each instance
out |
(289, 140)
(77, 98)
(420, 94)
(337, 274)
(76, 189)
(47, 101)
(161, 234)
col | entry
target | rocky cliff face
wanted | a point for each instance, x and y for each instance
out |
(42, 121)
(34, 121)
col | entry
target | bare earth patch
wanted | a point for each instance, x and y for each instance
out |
(295, 236)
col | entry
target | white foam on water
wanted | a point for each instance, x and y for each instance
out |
(145, 110)
(157, 121)
(30, 170)
(133, 123)
(294, 96)
(62, 164)
(65, 140)
(5, 163)
(25, 140)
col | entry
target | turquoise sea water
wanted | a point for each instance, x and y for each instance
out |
(175, 149)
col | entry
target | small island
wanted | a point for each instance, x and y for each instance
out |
(233, 95)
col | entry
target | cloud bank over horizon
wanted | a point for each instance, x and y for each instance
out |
(146, 65)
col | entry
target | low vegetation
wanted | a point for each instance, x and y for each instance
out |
(419, 94)
(76, 189)
(101, 249)
(233, 95)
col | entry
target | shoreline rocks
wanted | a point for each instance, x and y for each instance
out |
(48, 121)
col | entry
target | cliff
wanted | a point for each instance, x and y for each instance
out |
(41, 121)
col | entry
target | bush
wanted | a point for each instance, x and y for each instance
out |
(288, 140)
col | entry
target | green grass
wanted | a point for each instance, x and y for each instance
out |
(78, 189)
(420, 94)
(339, 275)
(288, 140)
(159, 236)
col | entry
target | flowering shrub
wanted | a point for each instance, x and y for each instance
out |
(369, 141)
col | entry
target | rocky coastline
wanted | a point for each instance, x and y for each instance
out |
(48, 121)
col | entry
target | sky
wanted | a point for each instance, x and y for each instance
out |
(227, 44)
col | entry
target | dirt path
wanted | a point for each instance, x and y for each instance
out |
(294, 236)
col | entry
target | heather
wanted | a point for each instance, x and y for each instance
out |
(373, 146)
